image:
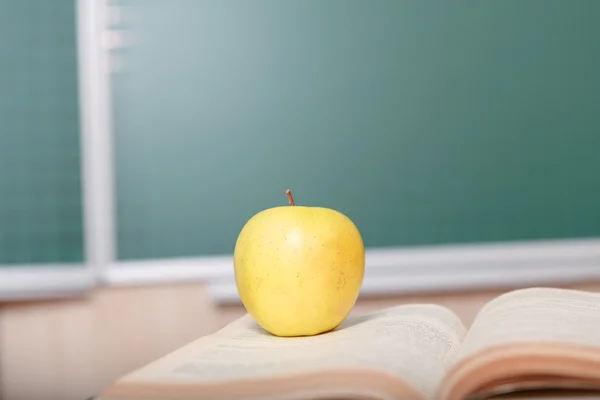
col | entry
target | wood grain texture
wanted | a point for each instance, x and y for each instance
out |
(72, 349)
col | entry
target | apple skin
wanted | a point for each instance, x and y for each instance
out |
(298, 270)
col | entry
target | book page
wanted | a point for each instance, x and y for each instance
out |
(538, 314)
(414, 342)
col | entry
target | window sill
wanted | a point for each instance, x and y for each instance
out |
(402, 271)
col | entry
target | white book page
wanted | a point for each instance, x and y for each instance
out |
(538, 314)
(415, 342)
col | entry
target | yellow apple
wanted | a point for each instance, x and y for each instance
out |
(299, 269)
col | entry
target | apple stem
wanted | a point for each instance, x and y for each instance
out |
(290, 198)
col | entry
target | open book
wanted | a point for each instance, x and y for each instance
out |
(529, 338)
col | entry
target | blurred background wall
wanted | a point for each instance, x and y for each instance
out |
(431, 125)
(424, 123)
(41, 218)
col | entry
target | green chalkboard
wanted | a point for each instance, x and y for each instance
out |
(425, 122)
(40, 183)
